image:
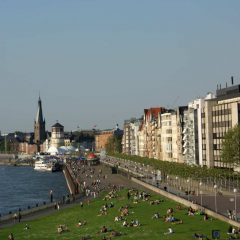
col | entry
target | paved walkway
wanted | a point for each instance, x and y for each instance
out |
(100, 177)
(221, 203)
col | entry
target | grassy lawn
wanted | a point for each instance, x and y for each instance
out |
(46, 227)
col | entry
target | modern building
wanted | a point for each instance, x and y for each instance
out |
(130, 140)
(219, 114)
(193, 131)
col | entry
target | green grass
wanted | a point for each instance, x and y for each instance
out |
(46, 227)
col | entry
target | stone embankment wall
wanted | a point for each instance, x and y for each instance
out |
(185, 202)
(28, 211)
(71, 181)
(7, 159)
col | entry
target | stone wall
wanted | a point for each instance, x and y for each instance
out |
(186, 202)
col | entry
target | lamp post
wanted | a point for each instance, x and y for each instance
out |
(177, 182)
(188, 189)
(215, 189)
(200, 192)
(235, 202)
(51, 195)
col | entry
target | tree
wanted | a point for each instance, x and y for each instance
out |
(114, 144)
(231, 146)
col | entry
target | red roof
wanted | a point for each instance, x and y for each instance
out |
(91, 156)
(153, 112)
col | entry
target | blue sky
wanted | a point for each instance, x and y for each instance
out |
(98, 62)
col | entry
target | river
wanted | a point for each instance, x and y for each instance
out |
(22, 186)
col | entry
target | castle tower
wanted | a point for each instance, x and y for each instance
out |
(39, 125)
(57, 138)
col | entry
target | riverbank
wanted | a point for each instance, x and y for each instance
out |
(23, 187)
(108, 180)
(133, 212)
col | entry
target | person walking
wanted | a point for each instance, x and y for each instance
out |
(15, 217)
(51, 196)
(19, 217)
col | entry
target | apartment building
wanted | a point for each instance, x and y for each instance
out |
(190, 134)
(150, 131)
(169, 148)
(101, 139)
(219, 114)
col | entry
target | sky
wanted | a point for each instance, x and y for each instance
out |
(98, 62)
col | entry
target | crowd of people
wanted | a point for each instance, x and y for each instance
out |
(95, 179)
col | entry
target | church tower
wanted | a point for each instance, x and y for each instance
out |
(39, 126)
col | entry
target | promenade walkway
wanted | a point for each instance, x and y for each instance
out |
(224, 203)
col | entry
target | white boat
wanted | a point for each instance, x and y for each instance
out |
(43, 165)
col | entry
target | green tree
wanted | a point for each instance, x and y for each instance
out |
(114, 144)
(231, 146)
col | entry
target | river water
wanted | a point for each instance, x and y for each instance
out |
(21, 187)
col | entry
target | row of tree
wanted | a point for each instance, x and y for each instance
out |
(230, 154)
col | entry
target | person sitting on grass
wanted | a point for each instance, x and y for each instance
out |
(10, 236)
(156, 216)
(62, 228)
(170, 231)
(169, 211)
(136, 223)
(26, 227)
(179, 207)
(205, 217)
(177, 221)
(118, 219)
(125, 223)
(81, 223)
(103, 229)
(191, 211)
(199, 236)
(114, 234)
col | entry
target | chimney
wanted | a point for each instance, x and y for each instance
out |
(220, 86)
(232, 80)
(217, 86)
(226, 84)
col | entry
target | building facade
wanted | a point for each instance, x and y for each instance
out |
(101, 139)
(219, 114)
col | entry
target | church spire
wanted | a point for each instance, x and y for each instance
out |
(39, 116)
(39, 126)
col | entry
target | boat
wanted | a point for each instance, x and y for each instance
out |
(43, 165)
(48, 164)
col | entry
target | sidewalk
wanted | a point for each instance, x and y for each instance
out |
(221, 203)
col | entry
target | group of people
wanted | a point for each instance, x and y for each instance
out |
(17, 217)
(92, 179)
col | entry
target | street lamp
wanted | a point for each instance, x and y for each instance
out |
(51, 196)
(235, 193)
(176, 181)
(188, 189)
(200, 192)
(215, 189)
(167, 178)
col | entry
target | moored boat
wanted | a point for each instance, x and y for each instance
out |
(42, 165)
(48, 164)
